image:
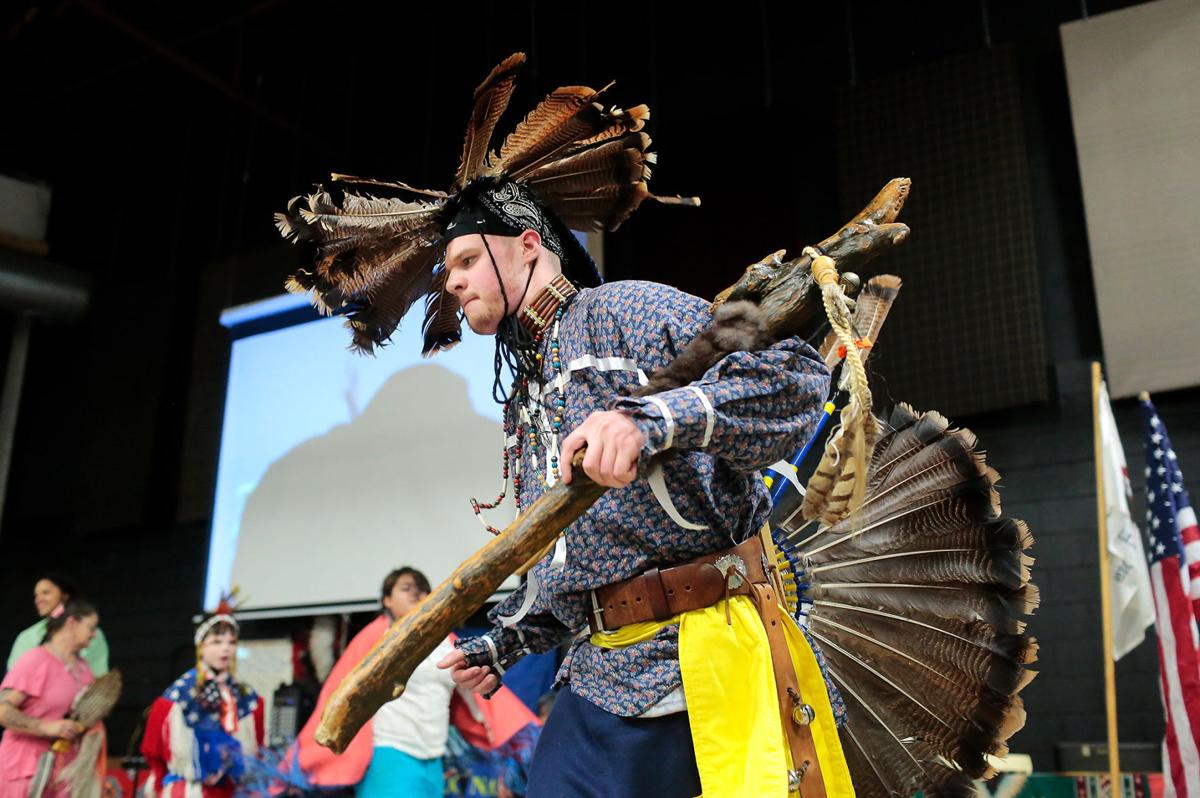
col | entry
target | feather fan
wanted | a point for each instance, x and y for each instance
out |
(917, 600)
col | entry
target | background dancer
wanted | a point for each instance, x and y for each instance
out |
(36, 697)
(201, 731)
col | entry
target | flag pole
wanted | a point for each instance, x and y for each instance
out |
(1110, 692)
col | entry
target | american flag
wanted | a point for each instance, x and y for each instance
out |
(1174, 555)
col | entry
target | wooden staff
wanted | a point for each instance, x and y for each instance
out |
(785, 293)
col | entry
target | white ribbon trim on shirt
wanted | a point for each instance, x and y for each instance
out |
(607, 364)
(658, 484)
(710, 415)
(491, 646)
(559, 561)
(531, 593)
(588, 362)
(667, 417)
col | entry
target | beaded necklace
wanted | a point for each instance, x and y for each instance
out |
(525, 418)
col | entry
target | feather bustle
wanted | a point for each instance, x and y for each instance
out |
(918, 601)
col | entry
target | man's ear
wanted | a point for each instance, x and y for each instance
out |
(531, 245)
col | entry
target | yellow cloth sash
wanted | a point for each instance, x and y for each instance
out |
(733, 708)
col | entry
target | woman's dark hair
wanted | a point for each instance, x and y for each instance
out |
(389, 581)
(75, 608)
(61, 581)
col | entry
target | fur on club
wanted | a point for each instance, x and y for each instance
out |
(736, 327)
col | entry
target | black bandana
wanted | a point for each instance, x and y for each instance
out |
(509, 209)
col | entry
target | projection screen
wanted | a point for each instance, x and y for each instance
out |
(335, 468)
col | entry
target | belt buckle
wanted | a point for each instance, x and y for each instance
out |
(597, 614)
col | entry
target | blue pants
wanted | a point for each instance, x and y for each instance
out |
(585, 752)
(393, 774)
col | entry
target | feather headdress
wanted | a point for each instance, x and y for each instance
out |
(223, 613)
(373, 245)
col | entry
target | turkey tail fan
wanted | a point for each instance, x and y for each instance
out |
(491, 100)
(918, 601)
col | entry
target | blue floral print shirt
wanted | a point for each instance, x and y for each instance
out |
(748, 411)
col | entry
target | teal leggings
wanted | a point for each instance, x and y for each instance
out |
(394, 773)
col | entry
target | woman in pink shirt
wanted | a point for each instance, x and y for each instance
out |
(36, 696)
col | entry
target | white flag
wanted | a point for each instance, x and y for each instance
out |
(1132, 601)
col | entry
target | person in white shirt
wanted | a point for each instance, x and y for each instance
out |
(410, 732)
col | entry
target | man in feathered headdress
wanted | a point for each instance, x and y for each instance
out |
(673, 691)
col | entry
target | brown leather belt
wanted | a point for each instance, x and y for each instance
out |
(658, 593)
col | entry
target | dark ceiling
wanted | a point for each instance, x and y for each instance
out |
(170, 131)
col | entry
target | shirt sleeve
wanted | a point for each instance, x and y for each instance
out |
(503, 646)
(28, 675)
(96, 654)
(260, 725)
(155, 744)
(750, 409)
(26, 640)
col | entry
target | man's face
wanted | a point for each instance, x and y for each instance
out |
(473, 280)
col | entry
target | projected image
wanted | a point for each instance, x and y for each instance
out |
(336, 468)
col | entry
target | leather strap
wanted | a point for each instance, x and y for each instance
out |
(799, 737)
(658, 594)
